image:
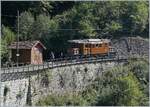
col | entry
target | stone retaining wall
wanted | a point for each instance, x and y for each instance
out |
(57, 80)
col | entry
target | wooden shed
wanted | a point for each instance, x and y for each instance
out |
(30, 52)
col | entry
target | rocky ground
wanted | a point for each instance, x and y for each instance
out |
(131, 46)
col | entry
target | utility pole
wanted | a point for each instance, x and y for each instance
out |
(18, 39)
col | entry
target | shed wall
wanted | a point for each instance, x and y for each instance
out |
(25, 55)
(36, 55)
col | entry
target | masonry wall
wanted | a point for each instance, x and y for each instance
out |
(57, 80)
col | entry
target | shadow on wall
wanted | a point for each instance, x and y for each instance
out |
(45, 81)
(29, 100)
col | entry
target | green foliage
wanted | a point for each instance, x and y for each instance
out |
(114, 26)
(92, 19)
(41, 7)
(25, 25)
(86, 28)
(3, 49)
(139, 16)
(41, 26)
(121, 86)
(140, 69)
(7, 38)
(109, 17)
(131, 94)
(49, 31)
(7, 35)
(89, 95)
(64, 100)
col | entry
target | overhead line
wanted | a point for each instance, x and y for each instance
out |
(9, 16)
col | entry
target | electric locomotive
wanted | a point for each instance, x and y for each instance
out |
(91, 47)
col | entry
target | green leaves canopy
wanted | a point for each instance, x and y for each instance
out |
(89, 19)
(26, 21)
(6, 39)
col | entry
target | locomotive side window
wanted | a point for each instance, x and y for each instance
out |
(86, 45)
(100, 45)
(97, 45)
(93, 45)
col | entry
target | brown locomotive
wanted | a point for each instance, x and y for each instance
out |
(84, 47)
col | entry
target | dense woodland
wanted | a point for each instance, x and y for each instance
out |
(53, 23)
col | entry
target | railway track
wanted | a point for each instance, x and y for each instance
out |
(58, 63)
(12, 73)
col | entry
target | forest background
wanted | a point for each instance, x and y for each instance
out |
(53, 23)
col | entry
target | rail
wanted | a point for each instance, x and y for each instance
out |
(60, 62)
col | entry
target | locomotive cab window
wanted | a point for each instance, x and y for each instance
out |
(106, 44)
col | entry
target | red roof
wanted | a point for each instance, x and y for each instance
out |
(25, 45)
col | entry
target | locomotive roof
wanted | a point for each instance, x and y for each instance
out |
(90, 41)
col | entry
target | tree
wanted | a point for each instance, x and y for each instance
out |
(139, 16)
(41, 27)
(7, 38)
(26, 21)
(130, 93)
(41, 7)
(141, 70)
(120, 87)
